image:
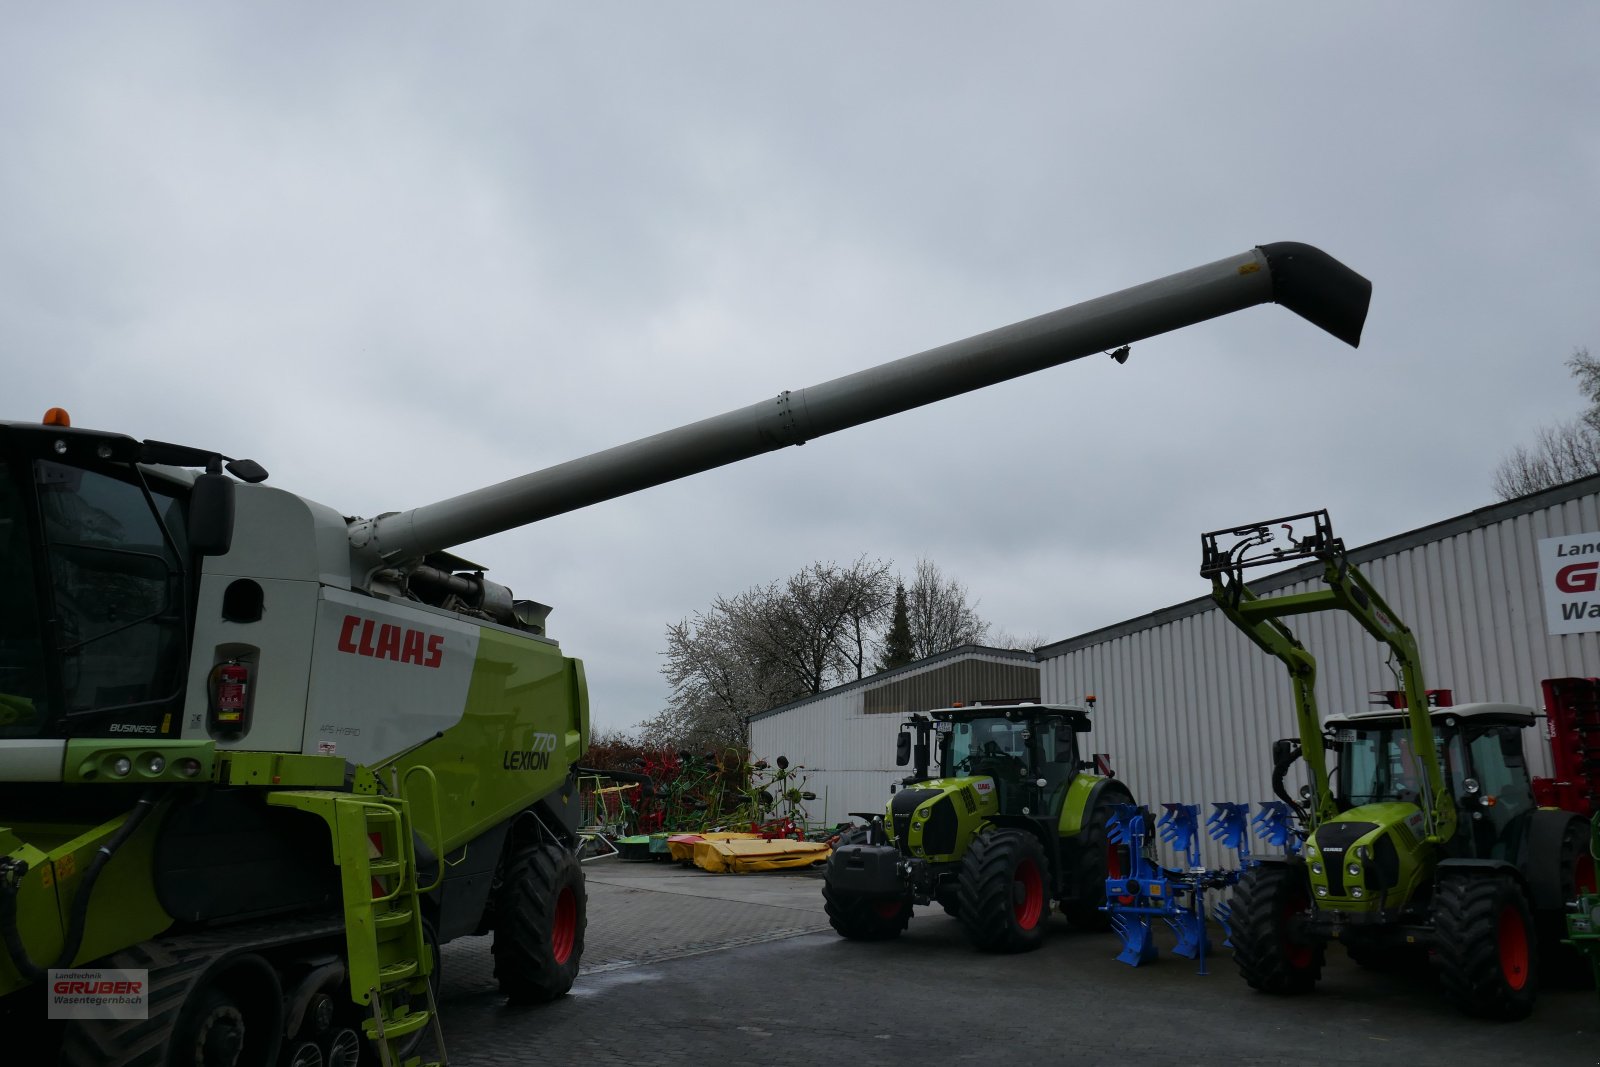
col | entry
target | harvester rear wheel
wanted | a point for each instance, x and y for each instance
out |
(1484, 948)
(1268, 955)
(1097, 860)
(865, 918)
(1003, 891)
(540, 912)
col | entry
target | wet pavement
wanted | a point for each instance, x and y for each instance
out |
(683, 966)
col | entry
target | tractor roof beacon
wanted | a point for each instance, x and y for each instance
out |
(275, 756)
(1001, 816)
(1424, 841)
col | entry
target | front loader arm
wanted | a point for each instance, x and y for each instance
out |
(1347, 590)
(1258, 620)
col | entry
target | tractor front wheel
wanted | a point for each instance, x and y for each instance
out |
(1266, 949)
(540, 913)
(1003, 891)
(1484, 945)
(1098, 859)
(865, 918)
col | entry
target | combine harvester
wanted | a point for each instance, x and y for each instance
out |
(265, 758)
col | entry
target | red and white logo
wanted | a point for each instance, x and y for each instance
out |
(384, 640)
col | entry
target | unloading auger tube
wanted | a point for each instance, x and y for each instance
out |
(1304, 279)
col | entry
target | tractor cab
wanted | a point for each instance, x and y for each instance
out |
(1030, 752)
(1479, 749)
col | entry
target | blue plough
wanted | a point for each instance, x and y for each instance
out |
(1149, 891)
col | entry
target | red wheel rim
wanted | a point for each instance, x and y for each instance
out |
(1114, 868)
(887, 909)
(1513, 939)
(564, 931)
(1028, 890)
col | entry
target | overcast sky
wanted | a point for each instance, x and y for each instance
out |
(397, 251)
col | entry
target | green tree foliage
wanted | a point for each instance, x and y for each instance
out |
(897, 646)
(1561, 451)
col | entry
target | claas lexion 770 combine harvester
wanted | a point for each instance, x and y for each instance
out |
(273, 756)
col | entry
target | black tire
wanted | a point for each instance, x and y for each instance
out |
(1003, 891)
(214, 1032)
(865, 918)
(1565, 965)
(1485, 948)
(1265, 901)
(540, 909)
(1096, 860)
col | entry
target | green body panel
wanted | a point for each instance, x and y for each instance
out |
(973, 808)
(1336, 888)
(280, 769)
(123, 909)
(1075, 806)
(526, 724)
(94, 760)
(974, 815)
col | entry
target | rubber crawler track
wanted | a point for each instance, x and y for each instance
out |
(175, 963)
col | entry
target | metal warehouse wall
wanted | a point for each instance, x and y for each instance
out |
(848, 753)
(1189, 707)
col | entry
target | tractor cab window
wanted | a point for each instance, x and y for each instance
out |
(115, 579)
(1379, 765)
(994, 746)
(1505, 793)
(1057, 745)
(24, 694)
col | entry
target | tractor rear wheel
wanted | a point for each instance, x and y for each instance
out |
(540, 912)
(865, 918)
(1562, 964)
(1268, 953)
(1097, 860)
(1003, 891)
(1484, 945)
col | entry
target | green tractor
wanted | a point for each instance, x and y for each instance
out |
(1424, 841)
(999, 818)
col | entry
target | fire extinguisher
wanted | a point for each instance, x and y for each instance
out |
(230, 698)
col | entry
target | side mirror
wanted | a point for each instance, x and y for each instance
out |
(211, 514)
(902, 749)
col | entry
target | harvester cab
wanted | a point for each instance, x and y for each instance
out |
(1423, 837)
(271, 756)
(997, 819)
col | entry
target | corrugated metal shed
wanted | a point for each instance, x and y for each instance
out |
(848, 750)
(1189, 707)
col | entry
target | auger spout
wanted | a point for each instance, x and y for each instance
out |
(1304, 279)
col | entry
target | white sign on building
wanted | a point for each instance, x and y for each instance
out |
(1569, 577)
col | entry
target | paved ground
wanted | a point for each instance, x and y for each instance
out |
(683, 966)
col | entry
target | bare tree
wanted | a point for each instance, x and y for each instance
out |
(767, 646)
(1019, 642)
(940, 616)
(1563, 451)
(1559, 454)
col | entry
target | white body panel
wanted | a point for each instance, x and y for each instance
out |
(385, 676)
